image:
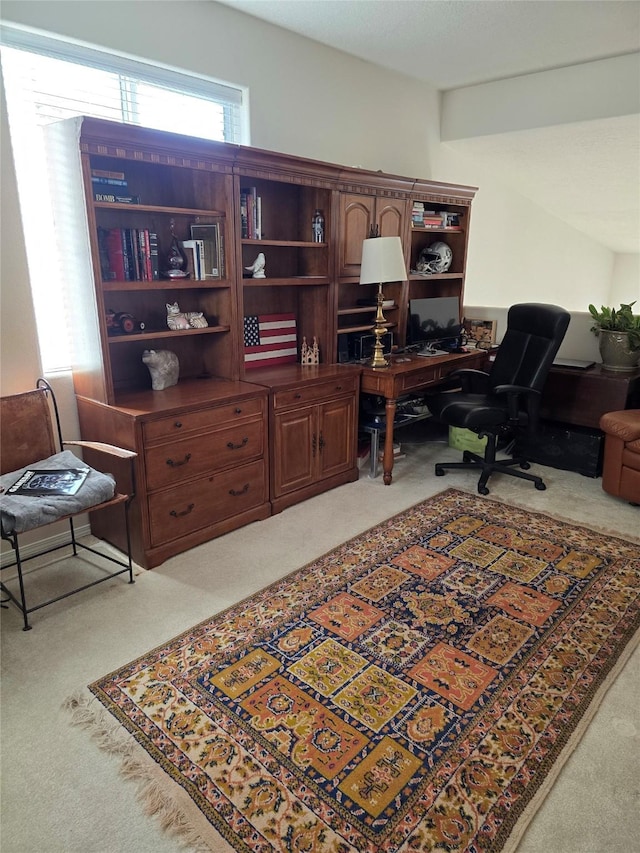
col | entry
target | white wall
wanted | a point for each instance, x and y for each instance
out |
(625, 282)
(316, 102)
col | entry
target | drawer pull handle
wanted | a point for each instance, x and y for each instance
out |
(297, 395)
(184, 461)
(186, 511)
(314, 444)
(178, 425)
(236, 493)
(233, 446)
(321, 442)
(238, 411)
(338, 387)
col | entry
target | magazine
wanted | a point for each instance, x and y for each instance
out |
(55, 481)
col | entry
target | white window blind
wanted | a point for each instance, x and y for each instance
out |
(47, 80)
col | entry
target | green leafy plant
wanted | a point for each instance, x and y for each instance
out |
(617, 320)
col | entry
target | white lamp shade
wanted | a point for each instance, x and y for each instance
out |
(382, 260)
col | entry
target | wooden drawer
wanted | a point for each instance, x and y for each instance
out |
(170, 428)
(201, 454)
(314, 393)
(176, 512)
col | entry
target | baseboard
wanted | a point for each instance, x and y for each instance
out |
(33, 548)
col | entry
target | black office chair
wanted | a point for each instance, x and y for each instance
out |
(499, 403)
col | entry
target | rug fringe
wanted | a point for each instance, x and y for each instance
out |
(86, 712)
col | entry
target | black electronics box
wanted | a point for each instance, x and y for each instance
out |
(570, 448)
(361, 345)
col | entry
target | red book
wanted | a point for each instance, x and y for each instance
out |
(116, 254)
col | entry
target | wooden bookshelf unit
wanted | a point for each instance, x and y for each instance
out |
(256, 438)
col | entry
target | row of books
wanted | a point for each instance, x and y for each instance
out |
(111, 187)
(423, 218)
(128, 254)
(250, 214)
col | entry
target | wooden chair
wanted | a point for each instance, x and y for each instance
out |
(29, 441)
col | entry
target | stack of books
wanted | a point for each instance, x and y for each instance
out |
(250, 214)
(111, 187)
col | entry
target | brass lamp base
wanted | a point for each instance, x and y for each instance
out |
(378, 359)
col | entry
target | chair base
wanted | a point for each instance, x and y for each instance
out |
(488, 465)
(126, 566)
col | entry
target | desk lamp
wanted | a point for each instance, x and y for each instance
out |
(382, 261)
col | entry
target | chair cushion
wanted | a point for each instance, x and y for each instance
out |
(24, 512)
(469, 411)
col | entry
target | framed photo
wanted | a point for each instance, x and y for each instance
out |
(211, 259)
(480, 333)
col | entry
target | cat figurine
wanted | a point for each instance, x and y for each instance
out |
(163, 366)
(177, 319)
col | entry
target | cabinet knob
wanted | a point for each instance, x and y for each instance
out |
(178, 424)
(233, 446)
(237, 492)
(176, 463)
(338, 387)
(176, 514)
(238, 411)
(297, 395)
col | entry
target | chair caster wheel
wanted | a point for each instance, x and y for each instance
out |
(483, 490)
(439, 471)
(525, 466)
(540, 487)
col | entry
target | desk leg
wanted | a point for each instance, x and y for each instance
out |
(387, 463)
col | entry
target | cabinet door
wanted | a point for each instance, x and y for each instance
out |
(390, 217)
(357, 215)
(295, 447)
(336, 438)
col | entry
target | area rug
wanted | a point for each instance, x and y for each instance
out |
(415, 689)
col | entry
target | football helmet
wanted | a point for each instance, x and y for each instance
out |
(435, 258)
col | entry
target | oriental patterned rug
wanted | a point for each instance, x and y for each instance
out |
(415, 689)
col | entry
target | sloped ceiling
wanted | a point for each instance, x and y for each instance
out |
(587, 173)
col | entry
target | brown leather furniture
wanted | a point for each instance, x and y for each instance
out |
(621, 467)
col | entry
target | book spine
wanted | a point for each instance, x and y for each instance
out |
(105, 173)
(126, 253)
(114, 198)
(112, 182)
(201, 263)
(147, 256)
(115, 254)
(153, 256)
(243, 215)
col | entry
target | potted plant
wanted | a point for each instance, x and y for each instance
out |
(618, 331)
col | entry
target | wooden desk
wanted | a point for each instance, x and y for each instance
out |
(405, 375)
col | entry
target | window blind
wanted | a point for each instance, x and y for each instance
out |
(47, 80)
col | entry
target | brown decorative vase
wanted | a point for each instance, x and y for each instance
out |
(615, 351)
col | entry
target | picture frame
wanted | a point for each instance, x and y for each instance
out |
(481, 334)
(210, 234)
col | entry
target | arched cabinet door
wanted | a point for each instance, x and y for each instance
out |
(358, 214)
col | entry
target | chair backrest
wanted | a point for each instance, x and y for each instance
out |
(26, 430)
(529, 346)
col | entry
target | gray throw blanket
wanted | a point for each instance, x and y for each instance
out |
(25, 512)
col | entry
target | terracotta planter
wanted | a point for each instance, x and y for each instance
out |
(615, 351)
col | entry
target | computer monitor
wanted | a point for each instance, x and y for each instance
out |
(435, 322)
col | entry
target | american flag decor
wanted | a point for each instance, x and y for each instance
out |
(270, 339)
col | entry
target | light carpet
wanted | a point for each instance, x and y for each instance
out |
(417, 688)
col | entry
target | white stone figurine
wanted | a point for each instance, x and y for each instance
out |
(257, 267)
(163, 366)
(177, 319)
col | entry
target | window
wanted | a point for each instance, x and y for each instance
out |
(47, 80)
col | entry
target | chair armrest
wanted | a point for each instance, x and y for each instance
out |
(105, 448)
(118, 461)
(532, 399)
(472, 381)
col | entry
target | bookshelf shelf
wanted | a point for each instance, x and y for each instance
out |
(166, 333)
